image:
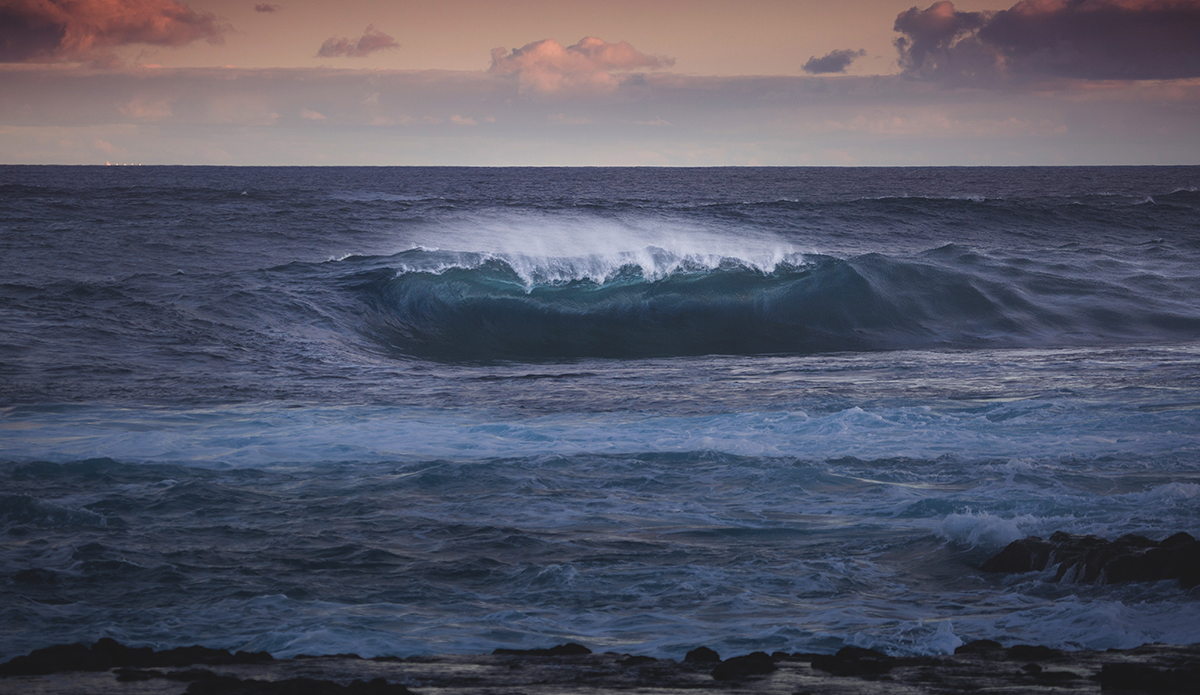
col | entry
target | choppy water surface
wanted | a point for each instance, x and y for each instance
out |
(402, 411)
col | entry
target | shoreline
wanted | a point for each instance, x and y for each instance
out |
(110, 668)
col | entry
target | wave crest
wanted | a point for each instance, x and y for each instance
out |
(651, 303)
(649, 264)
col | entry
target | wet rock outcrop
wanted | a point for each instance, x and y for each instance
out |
(753, 664)
(107, 653)
(702, 655)
(1095, 560)
(568, 649)
(1146, 679)
(979, 666)
(855, 661)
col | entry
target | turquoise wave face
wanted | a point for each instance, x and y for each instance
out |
(654, 304)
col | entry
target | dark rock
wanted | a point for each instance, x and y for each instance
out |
(205, 682)
(1057, 676)
(229, 685)
(192, 674)
(855, 661)
(1091, 559)
(1178, 539)
(569, 649)
(108, 653)
(1148, 679)
(1147, 669)
(754, 664)
(701, 655)
(980, 646)
(187, 656)
(376, 686)
(1025, 652)
(1026, 555)
(41, 662)
(133, 675)
(1135, 541)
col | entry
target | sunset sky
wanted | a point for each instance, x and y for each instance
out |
(645, 82)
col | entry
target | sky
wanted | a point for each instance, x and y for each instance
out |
(620, 83)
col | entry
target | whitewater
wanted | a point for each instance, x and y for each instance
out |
(401, 411)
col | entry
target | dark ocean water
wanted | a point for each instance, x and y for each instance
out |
(404, 411)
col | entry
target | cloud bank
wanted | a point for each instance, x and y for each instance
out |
(371, 41)
(322, 116)
(834, 61)
(77, 30)
(1086, 39)
(547, 67)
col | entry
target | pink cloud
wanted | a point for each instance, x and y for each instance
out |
(1089, 39)
(73, 30)
(546, 67)
(372, 40)
(265, 7)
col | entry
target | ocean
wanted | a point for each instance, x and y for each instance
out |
(406, 411)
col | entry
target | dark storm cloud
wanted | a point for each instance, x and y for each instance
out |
(1089, 39)
(71, 30)
(834, 61)
(372, 40)
(930, 35)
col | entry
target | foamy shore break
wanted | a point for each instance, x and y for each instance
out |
(110, 667)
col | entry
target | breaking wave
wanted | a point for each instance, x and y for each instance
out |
(653, 303)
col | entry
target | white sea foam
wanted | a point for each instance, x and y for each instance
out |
(1078, 623)
(1171, 492)
(544, 248)
(982, 529)
(916, 637)
(819, 583)
(253, 436)
(650, 263)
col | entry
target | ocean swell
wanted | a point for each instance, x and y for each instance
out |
(434, 305)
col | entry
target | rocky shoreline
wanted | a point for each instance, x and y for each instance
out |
(108, 667)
